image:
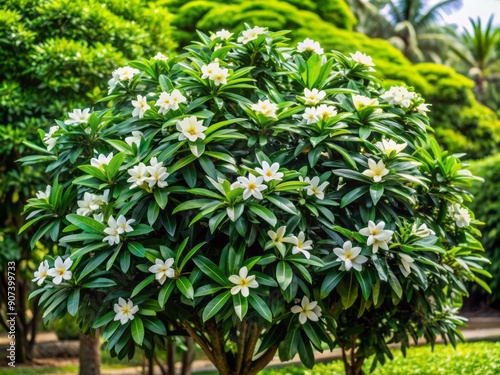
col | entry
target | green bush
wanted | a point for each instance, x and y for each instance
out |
(468, 359)
(54, 56)
(487, 208)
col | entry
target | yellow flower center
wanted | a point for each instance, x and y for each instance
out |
(126, 309)
(192, 130)
(61, 271)
(243, 282)
(252, 186)
(269, 173)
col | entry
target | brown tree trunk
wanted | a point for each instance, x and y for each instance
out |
(90, 354)
(187, 357)
(211, 340)
(171, 352)
(353, 365)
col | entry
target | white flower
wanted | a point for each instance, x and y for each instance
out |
(243, 282)
(251, 34)
(101, 160)
(163, 269)
(265, 107)
(313, 188)
(125, 310)
(168, 101)
(376, 171)
(44, 194)
(113, 232)
(422, 109)
(350, 256)
(278, 236)
(270, 172)
(223, 34)
(138, 175)
(361, 101)
(140, 106)
(78, 117)
(399, 95)
(324, 112)
(61, 270)
(135, 138)
(362, 58)
(220, 76)
(301, 246)
(313, 96)
(311, 46)
(310, 115)
(462, 217)
(191, 129)
(209, 70)
(377, 235)
(121, 74)
(307, 310)
(406, 264)
(160, 56)
(87, 205)
(42, 272)
(49, 138)
(421, 231)
(389, 146)
(158, 174)
(253, 186)
(123, 225)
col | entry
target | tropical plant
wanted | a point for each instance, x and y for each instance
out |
(413, 26)
(53, 57)
(479, 59)
(487, 209)
(260, 199)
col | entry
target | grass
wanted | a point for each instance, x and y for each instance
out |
(468, 359)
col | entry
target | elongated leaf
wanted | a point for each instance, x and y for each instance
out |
(263, 213)
(283, 204)
(284, 274)
(210, 269)
(144, 283)
(73, 302)
(155, 326)
(137, 330)
(352, 195)
(185, 287)
(137, 249)
(105, 319)
(330, 282)
(165, 292)
(260, 306)
(100, 282)
(394, 283)
(376, 192)
(214, 306)
(87, 224)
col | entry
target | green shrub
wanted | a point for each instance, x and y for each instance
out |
(487, 208)
(54, 56)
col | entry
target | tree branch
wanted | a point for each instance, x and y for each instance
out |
(263, 360)
(200, 340)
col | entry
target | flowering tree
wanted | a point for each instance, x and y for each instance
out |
(259, 198)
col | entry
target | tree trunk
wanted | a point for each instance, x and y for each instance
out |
(171, 352)
(90, 354)
(354, 366)
(187, 357)
(211, 340)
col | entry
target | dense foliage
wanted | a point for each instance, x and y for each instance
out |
(54, 55)
(487, 208)
(461, 123)
(258, 197)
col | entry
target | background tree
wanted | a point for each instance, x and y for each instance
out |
(478, 55)
(54, 57)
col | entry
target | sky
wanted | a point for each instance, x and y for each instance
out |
(474, 8)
